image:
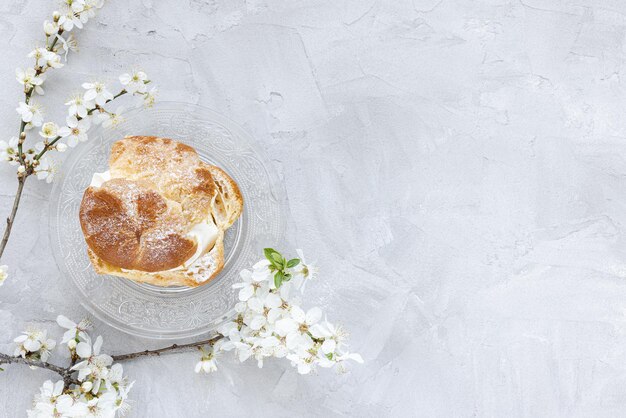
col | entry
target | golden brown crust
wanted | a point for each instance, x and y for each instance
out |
(136, 224)
(229, 201)
(130, 226)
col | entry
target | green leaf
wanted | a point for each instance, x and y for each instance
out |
(268, 253)
(274, 258)
(329, 356)
(278, 278)
(277, 257)
(293, 262)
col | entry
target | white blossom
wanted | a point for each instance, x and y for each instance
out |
(109, 119)
(49, 130)
(295, 328)
(303, 360)
(69, 44)
(46, 169)
(47, 58)
(77, 5)
(69, 19)
(30, 113)
(75, 131)
(34, 343)
(333, 336)
(74, 330)
(9, 150)
(95, 3)
(94, 365)
(97, 92)
(349, 356)
(80, 107)
(307, 270)
(30, 79)
(252, 280)
(269, 322)
(134, 82)
(3, 273)
(50, 27)
(103, 389)
(207, 363)
(45, 402)
(150, 97)
(261, 271)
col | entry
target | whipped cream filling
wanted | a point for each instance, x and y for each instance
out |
(204, 233)
(99, 178)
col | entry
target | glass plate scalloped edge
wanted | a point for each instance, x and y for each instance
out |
(169, 313)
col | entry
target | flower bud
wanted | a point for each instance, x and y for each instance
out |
(86, 386)
(56, 16)
(61, 147)
(21, 169)
(50, 28)
(71, 344)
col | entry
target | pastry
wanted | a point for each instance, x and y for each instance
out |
(159, 214)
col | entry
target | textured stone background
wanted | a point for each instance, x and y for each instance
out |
(454, 166)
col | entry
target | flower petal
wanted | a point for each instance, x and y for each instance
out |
(285, 326)
(257, 322)
(245, 293)
(313, 315)
(90, 94)
(83, 350)
(273, 301)
(32, 345)
(328, 346)
(298, 314)
(97, 345)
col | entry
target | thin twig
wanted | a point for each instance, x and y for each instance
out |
(175, 348)
(66, 374)
(16, 203)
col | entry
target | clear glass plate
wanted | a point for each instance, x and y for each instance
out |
(173, 312)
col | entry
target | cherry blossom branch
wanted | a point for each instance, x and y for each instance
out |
(65, 373)
(51, 144)
(21, 178)
(27, 95)
(172, 349)
(7, 359)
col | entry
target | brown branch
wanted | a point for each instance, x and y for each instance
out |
(66, 374)
(20, 154)
(16, 203)
(175, 348)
